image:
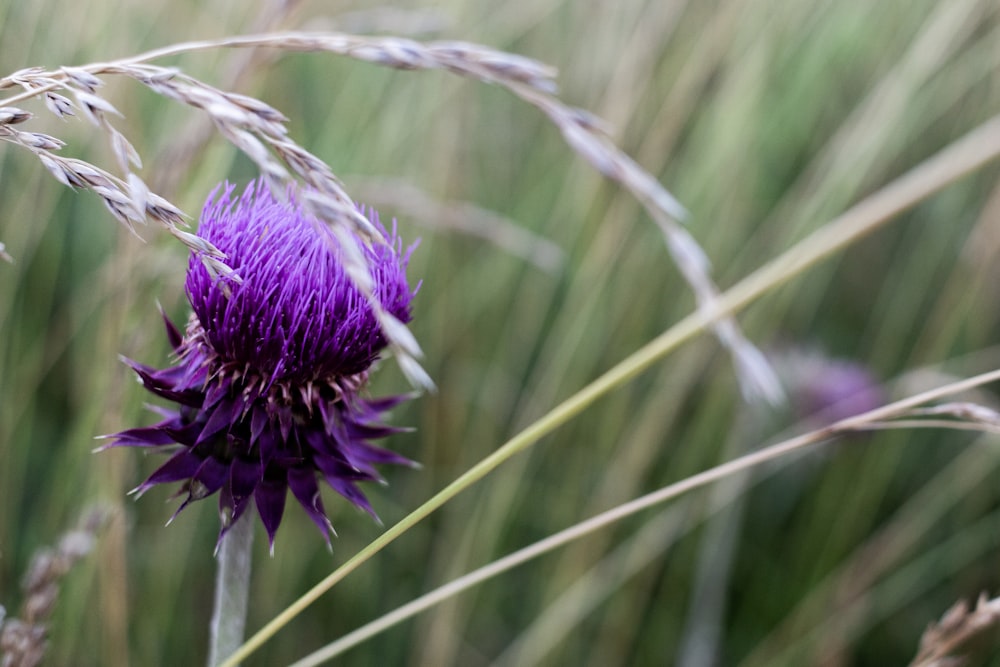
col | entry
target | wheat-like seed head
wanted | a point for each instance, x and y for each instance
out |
(259, 130)
(23, 640)
(941, 641)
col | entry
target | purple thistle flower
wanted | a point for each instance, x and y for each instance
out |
(269, 371)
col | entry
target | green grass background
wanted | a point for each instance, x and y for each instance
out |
(766, 118)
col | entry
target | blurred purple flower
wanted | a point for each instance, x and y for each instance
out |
(841, 390)
(827, 390)
(269, 373)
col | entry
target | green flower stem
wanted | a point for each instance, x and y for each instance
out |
(959, 158)
(232, 588)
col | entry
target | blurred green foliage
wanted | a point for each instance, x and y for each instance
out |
(765, 118)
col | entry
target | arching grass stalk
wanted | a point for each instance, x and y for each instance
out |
(959, 158)
(260, 132)
(864, 421)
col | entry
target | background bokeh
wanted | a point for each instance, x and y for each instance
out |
(765, 118)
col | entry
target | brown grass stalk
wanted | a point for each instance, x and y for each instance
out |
(898, 410)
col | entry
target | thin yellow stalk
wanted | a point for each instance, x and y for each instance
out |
(662, 495)
(954, 161)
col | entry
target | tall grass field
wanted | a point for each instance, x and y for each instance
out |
(734, 230)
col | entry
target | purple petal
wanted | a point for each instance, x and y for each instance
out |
(258, 420)
(269, 496)
(156, 384)
(148, 436)
(302, 482)
(286, 420)
(217, 390)
(244, 477)
(173, 335)
(348, 490)
(185, 435)
(331, 467)
(268, 447)
(235, 495)
(221, 418)
(378, 455)
(380, 405)
(330, 415)
(166, 413)
(209, 478)
(181, 466)
(373, 431)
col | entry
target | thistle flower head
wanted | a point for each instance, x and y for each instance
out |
(269, 372)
